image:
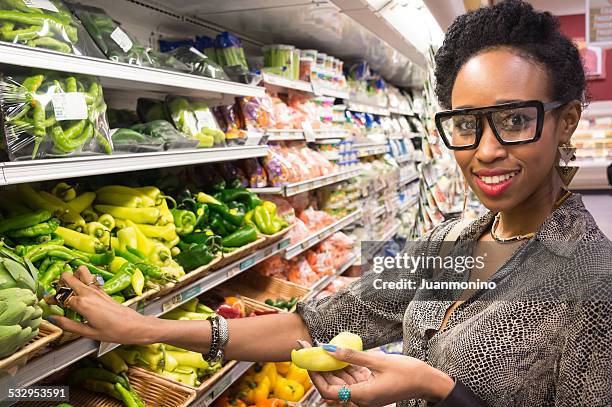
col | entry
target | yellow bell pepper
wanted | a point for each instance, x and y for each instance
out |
(262, 390)
(282, 368)
(299, 375)
(246, 389)
(289, 390)
(267, 370)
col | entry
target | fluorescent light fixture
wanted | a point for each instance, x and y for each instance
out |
(414, 21)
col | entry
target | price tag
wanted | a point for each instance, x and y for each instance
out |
(44, 4)
(174, 301)
(122, 39)
(69, 106)
(267, 252)
(192, 292)
(247, 263)
(205, 118)
(234, 271)
(284, 244)
(221, 386)
(309, 133)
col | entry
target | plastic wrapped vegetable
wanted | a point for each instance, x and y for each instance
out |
(230, 51)
(257, 175)
(228, 118)
(42, 24)
(163, 132)
(52, 114)
(118, 45)
(196, 121)
(198, 63)
(206, 45)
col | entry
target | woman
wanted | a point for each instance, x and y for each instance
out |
(542, 337)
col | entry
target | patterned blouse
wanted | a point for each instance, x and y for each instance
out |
(542, 337)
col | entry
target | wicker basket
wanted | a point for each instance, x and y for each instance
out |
(277, 236)
(154, 390)
(48, 334)
(244, 251)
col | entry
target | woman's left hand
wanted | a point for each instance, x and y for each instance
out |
(392, 378)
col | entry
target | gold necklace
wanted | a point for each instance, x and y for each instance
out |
(526, 236)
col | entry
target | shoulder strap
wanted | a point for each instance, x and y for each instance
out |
(452, 236)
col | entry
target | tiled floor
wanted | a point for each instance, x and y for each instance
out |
(600, 207)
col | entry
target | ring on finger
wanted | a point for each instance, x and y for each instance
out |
(344, 394)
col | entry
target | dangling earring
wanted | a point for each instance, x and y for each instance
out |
(567, 153)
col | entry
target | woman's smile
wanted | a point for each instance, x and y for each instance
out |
(494, 182)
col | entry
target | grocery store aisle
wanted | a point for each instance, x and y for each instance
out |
(600, 207)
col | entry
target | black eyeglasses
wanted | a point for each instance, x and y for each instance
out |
(512, 123)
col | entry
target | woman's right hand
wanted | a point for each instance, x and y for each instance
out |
(107, 320)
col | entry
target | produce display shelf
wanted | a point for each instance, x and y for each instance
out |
(401, 159)
(322, 89)
(360, 107)
(321, 235)
(286, 83)
(379, 243)
(298, 135)
(397, 110)
(407, 180)
(408, 203)
(119, 75)
(379, 211)
(324, 282)
(43, 366)
(17, 172)
(222, 384)
(303, 186)
(371, 150)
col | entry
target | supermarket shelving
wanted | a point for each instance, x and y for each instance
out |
(40, 170)
(407, 180)
(320, 88)
(399, 111)
(324, 282)
(360, 107)
(277, 81)
(367, 149)
(321, 235)
(408, 203)
(376, 245)
(222, 384)
(303, 186)
(298, 135)
(404, 158)
(43, 366)
(379, 211)
(125, 76)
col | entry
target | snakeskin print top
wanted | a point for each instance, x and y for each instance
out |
(543, 337)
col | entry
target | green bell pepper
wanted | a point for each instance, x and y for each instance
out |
(264, 221)
(250, 199)
(184, 221)
(233, 216)
(196, 256)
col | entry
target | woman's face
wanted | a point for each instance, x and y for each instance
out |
(500, 76)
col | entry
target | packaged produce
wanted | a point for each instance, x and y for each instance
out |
(120, 46)
(254, 115)
(198, 63)
(281, 58)
(196, 121)
(151, 109)
(167, 45)
(206, 45)
(121, 118)
(257, 175)
(230, 122)
(52, 114)
(43, 24)
(316, 359)
(229, 51)
(306, 65)
(295, 64)
(156, 135)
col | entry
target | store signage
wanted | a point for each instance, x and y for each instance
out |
(599, 23)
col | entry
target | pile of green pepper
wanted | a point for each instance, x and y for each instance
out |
(30, 115)
(38, 27)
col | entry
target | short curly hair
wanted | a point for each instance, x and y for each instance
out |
(515, 24)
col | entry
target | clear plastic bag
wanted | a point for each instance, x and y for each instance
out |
(198, 63)
(52, 115)
(120, 46)
(161, 131)
(44, 24)
(195, 120)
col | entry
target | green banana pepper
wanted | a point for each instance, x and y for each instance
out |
(79, 375)
(120, 281)
(45, 228)
(202, 215)
(184, 221)
(241, 237)
(106, 276)
(24, 221)
(220, 226)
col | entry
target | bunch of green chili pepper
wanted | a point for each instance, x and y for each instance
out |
(38, 27)
(30, 115)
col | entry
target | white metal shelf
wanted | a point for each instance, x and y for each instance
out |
(321, 235)
(40, 170)
(408, 203)
(298, 135)
(397, 110)
(119, 75)
(365, 150)
(41, 367)
(379, 211)
(320, 88)
(303, 186)
(361, 107)
(401, 159)
(277, 81)
(407, 180)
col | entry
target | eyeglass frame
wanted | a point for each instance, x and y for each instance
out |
(488, 111)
